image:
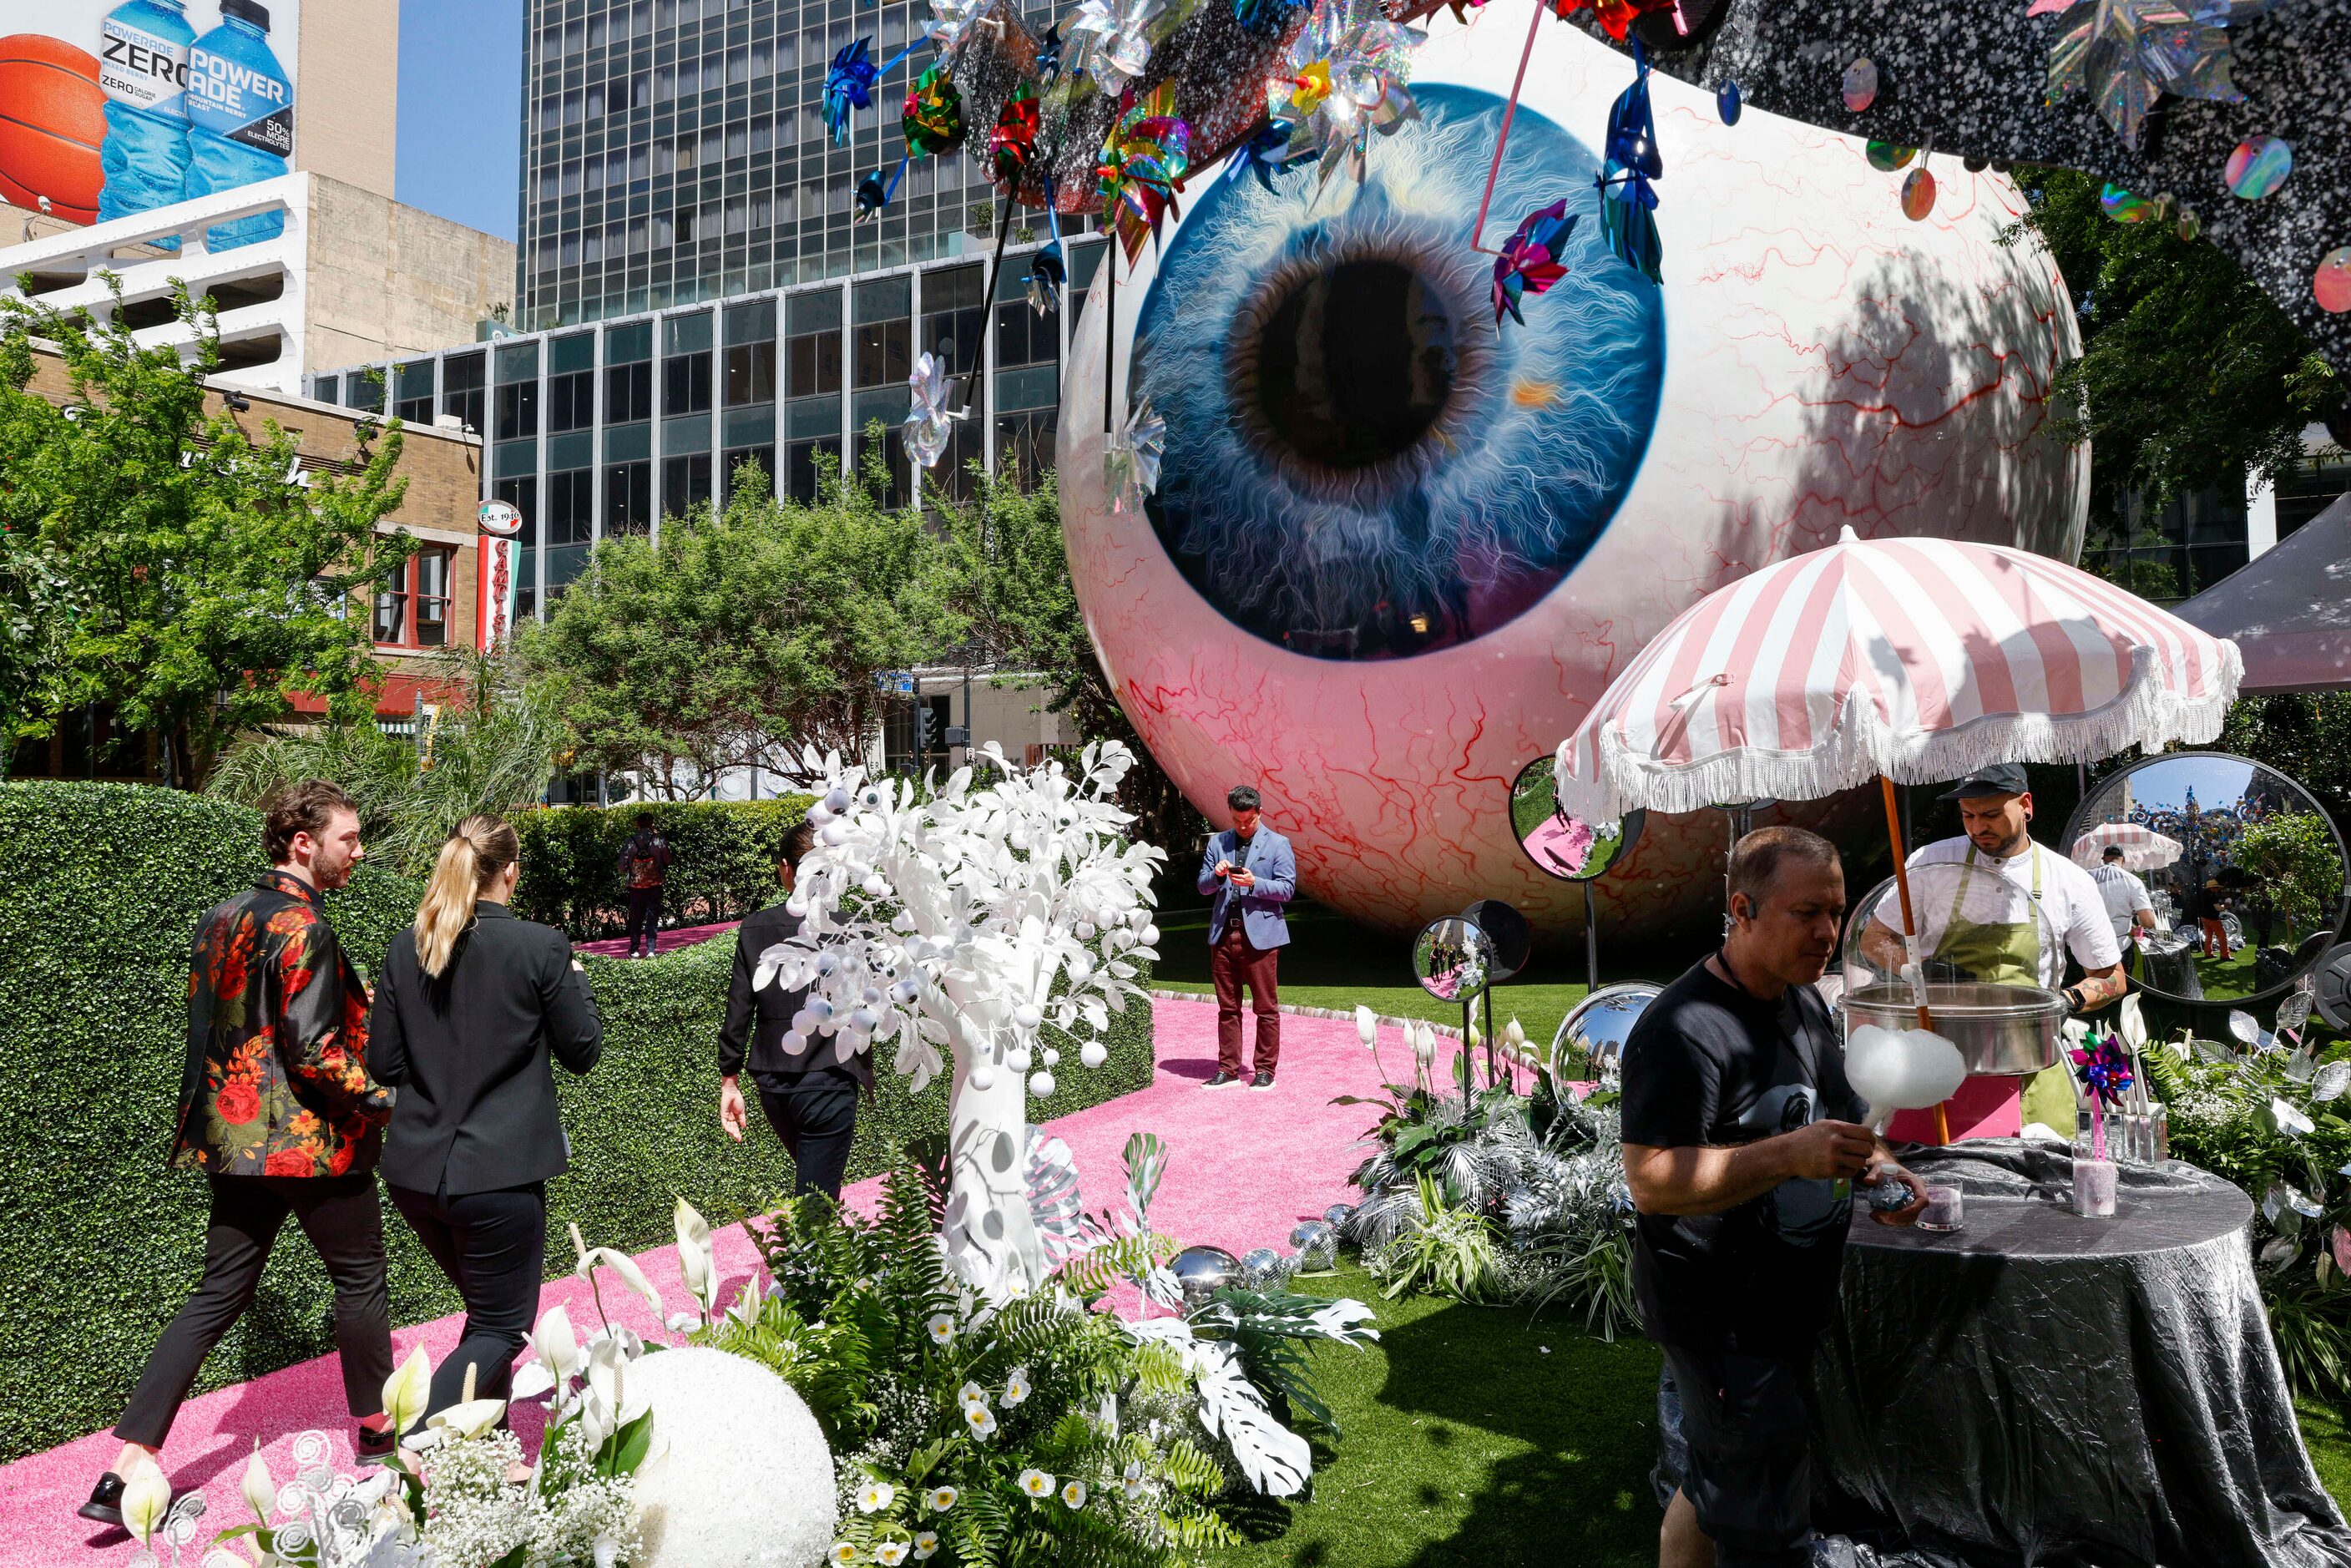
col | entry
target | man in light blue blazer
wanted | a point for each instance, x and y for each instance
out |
(1252, 873)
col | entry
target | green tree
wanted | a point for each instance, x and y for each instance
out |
(2298, 867)
(735, 635)
(2190, 376)
(2305, 735)
(1009, 568)
(170, 563)
(490, 747)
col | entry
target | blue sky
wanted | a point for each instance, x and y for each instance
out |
(459, 102)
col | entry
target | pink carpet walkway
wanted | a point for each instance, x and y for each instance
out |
(1244, 1167)
(664, 941)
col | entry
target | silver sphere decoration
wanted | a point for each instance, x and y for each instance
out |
(1263, 1269)
(1317, 1241)
(1337, 1216)
(1201, 1271)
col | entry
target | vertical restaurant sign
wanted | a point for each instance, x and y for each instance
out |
(498, 572)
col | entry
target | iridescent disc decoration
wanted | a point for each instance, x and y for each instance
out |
(2331, 284)
(1860, 85)
(2125, 206)
(1919, 194)
(1886, 157)
(2258, 167)
(1726, 102)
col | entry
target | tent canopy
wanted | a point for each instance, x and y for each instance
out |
(2289, 611)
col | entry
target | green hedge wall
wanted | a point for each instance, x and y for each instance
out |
(104, 1243)
(725, 867)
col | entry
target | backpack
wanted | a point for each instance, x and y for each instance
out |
(641, 861)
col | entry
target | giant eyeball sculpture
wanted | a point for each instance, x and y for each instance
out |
(1399, 545)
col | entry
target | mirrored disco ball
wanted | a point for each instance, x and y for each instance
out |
(1317, 1241)
(1262, 1269)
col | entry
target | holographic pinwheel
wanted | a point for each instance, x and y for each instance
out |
(1348, 67)
(931, 119)
(1013, 143)
(848, 87)
(1131, 457)
(1047, 275)
(1530, 261)
(1261, 16)
(2129, 53)
(1108, 36)
(1628, 202)
(2107, 1069)
(1148, 151)
(929, 422)
(1265, 155)
(1617, 17)
(1047, 62)
(952, 22)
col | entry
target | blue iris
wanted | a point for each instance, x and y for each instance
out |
(1357, 466)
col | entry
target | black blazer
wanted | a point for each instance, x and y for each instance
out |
(755, 1020)
(469, 1053)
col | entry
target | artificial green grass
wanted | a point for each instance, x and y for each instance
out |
(1331, 962)
(1473, 1435)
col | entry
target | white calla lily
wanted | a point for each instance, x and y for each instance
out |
(408, 1391)
(259, 1487)
(146, 1499)
(594, 1258)
(2130, 1024)
(1367, 1026)
(697, 1256)
(469, 1420)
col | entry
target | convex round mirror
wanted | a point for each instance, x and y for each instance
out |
(1562, 846)
(2222, 878)
(1453, 959)
(1508, 930)
(1590, 1038)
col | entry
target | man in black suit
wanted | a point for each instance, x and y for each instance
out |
(809, 1099)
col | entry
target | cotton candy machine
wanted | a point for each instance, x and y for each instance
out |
(1982, 939)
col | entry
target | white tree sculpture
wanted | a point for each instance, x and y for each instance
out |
(944, 924)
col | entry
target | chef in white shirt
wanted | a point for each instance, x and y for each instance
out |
(1996, 811)
(2127, 904)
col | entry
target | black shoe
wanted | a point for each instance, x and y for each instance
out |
(105, 1504)
(1262, 1081)
(371, 1446)
(1223, 1079)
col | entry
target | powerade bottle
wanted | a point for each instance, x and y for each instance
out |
(240, 118)
(143, 70)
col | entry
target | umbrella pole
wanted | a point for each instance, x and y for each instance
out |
(1909, 920)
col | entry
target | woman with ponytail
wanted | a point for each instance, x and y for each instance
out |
(472, 1005)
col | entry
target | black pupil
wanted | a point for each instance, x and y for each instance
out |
(1356, 364)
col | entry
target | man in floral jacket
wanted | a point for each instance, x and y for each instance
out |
(279, 1112)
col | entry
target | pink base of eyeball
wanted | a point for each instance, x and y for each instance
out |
(1827, 362)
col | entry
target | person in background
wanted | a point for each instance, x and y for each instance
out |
(279, 1111)
(2210, 903)
(2127, 905)
(1251, 873)
(472, 1004)
(645, 867)
(1741, 1135)
(810, 1099)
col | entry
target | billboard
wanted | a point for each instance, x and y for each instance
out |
(110, 107)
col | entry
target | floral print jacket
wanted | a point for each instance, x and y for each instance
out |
(275, 1082)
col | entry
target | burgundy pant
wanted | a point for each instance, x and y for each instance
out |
(1234, 962)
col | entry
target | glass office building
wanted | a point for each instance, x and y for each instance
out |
(674, 153)
(601, 429)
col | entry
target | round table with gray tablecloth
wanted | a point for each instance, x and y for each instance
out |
(2045, 1389)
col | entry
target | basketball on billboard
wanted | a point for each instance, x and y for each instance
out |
(52, 120)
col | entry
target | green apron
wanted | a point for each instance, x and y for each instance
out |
(2010, 954)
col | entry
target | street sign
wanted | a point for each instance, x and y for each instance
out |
(499, 517)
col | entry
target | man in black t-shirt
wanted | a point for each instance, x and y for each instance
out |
(1741, 1140)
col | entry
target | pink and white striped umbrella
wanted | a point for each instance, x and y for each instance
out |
(2143, 848)
(1917, 659)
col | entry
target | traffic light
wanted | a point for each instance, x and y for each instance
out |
(925, 726)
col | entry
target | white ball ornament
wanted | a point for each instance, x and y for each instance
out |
(794, 1043)
(1041, 1085)
(903, 993)
(820, 1009)
(983, 1076)
(902, 923)
(747, 1482)
(1084, 930)
(1093, 1053)
(1018, 1059)
(863, 1019)
(1052, 1057)
(836, 799)
(833, 834)
(874, 886)
(1081, 966)
(870, 996)
(819, 814)
(1150, 935)
(1027, 1016)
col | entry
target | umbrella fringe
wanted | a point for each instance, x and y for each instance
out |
(1859, 746)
